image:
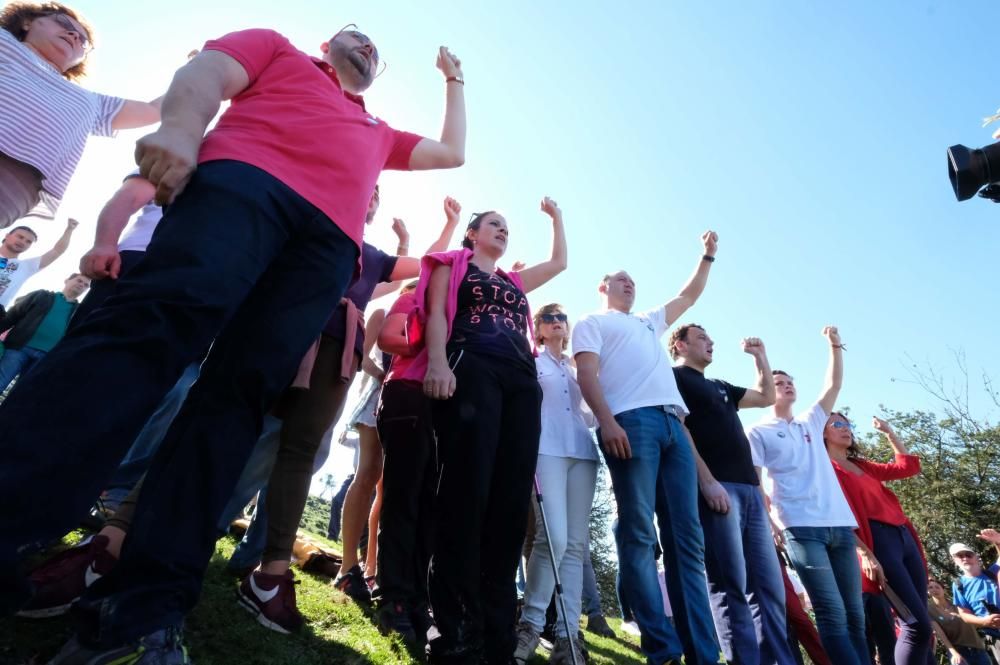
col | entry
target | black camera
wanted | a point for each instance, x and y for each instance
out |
(973, 170)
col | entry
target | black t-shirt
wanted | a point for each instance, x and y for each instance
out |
(715, 427)
(491, 318)
(376, 267)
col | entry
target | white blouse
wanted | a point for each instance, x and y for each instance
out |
(566, 421)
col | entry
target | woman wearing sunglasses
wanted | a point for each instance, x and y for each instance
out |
(478, 363)
(888, 545)
(45, 117)
(567, 474)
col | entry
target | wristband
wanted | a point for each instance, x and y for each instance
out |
(842, 347)
(710, 259)
(456, 79)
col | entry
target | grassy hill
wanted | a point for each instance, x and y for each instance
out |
(219, 632)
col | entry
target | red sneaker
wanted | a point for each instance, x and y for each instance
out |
(271, 599)
(62, 579)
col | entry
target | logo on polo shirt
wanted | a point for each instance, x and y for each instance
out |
(372, 120)
(781, 435)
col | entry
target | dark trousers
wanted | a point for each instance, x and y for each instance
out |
(899, 555)
(239, 258)
(487, 436)
(880, 628)
(337, 507)
(409, 478)
(101, 289)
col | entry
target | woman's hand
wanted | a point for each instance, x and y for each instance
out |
(439, 382)
(872, 568)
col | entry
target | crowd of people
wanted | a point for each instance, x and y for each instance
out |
(227, 325)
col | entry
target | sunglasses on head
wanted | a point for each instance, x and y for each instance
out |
(352, 30)
(552, 318)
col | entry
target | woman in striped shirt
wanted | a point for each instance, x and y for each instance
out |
(45, 117)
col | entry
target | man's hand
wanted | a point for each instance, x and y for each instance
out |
(614, 440)
(439, 382)
(448, 63)
(990, 536)
(167, 158)
(452, 209)
(101, 262)
(71, 224)
(551, 208)
(754, 346)
(399, 228)
(716, 496)
(777, 535)
(956, 658)
(833, 335)
(710, 239)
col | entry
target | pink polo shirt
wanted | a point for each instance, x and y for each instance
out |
(295, 122)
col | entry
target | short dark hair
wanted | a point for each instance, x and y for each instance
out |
(680, 334)
(15, 14)
(776, 372)
(23, 228)
(474, 224)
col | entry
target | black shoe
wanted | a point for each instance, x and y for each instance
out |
(421, 620)
(598, 625)
(352, 583)
(393, 617)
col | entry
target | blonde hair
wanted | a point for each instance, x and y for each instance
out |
(551, 308)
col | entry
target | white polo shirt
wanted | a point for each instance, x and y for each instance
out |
(804, 489)
(140, 230)
(634, 370)
(565, 425)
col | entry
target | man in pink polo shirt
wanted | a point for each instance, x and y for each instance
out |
(256, 248)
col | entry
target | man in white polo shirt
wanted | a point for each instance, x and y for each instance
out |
(627, 380)
(809, 511)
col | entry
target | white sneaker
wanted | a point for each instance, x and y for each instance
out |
(632, 628)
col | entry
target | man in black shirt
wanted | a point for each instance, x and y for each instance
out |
(745, 585)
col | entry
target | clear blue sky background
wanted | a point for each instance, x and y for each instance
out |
(810, 135)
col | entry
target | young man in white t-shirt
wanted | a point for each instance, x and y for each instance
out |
(809, 512)
(15, 271)
(628, 383)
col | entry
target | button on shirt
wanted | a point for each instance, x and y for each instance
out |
(565, 424)
(804, 488)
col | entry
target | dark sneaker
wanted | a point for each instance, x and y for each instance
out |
(527, 641)
(564, 650)
(62, 579)
(271, 599)
(393, 617)
(598, 625)
(421, 620)
(352, 583)
(164, 647)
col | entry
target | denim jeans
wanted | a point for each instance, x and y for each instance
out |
(744, 579)
(827, 564)
(661, 478)
(240, 259)
(590, 597)
(17, 361)
(337, 509)
(250, 548)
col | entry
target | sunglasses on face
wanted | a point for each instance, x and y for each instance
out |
(66, 24)
(352, 30)
(964, 555)
(840, 424)
(552, 318)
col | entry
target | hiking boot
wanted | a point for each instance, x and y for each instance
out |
(527, 641)
(598, 625)
(632, 628)
(62, 579)
(271, 599)
(394, 617)
(352, 583)
(164, 647)
(563, 651)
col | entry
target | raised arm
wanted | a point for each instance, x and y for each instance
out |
(614, 440)
(61, 245)
(449, 152)
(439, 382)
(168, 156)
(834, 371)
(696, 284)
(409, 267)
(539, 274)
(993, 537)
(102, 260)
(762, 394)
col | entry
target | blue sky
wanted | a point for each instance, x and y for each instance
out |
(811, 136)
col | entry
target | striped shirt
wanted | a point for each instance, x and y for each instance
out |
(45, 119)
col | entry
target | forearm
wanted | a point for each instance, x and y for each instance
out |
(369, 367)
(192, 101)
(765, 380)
(835, 369)
(695, 285)
(111, 222)
(590, 388)
(897, 444)
(942, 638)
(704, 474)
(437, 338)
(442, 241)
(560, 253)
(453, 132)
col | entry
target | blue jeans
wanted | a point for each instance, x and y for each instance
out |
(974, 656)
(661, 478)
(827, 564)
(240, 259)
(337, 509)
(744, 580)
(17, 361)
(249, 550)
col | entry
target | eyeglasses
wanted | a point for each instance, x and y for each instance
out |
(352, 30)
(840, 424)
(964, 555)
(552, 318)
(66, 24)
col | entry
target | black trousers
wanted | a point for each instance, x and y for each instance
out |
(101, 289)
(240, 259)
(487, 447)
(409, 479)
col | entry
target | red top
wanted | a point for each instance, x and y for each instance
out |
(295, 122)
(871, 500)
(400, 363)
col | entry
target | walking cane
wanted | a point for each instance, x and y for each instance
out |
(555, 573)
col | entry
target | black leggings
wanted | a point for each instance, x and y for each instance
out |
(487, 448)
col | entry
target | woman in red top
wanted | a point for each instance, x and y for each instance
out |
(884, 533)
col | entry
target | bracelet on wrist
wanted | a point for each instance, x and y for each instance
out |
(456, 79)
(842, 347)
(706, 257)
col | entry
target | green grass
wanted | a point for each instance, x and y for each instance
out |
(219, 632)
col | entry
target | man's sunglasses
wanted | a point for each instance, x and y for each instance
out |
(352, 30)
(552, 318)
